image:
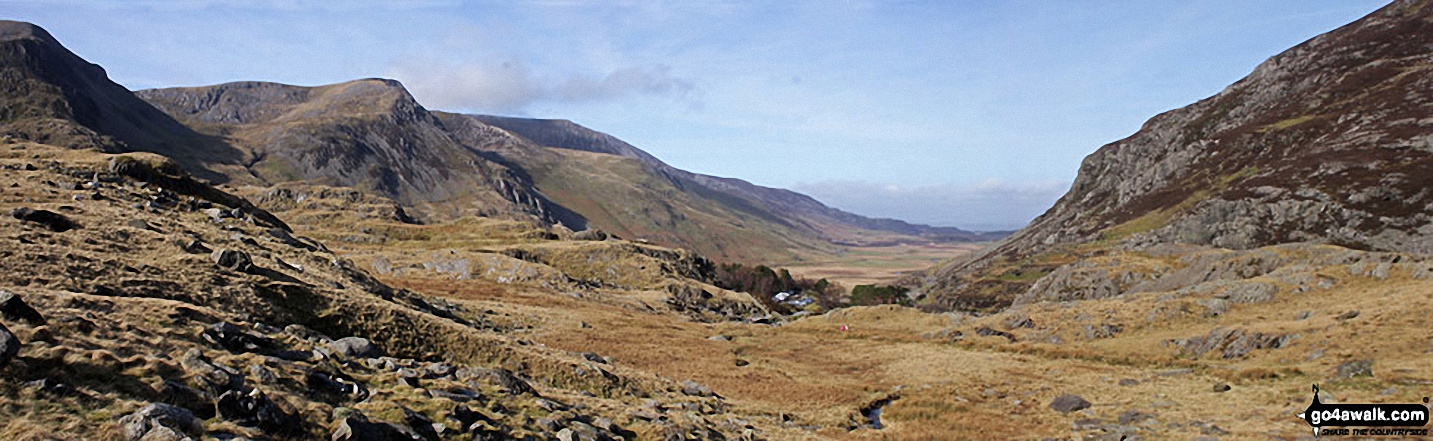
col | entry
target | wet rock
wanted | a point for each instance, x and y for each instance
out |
(12, 307)
(235, 339)
(161, 421)
(9, 346)
(1067, 403)
(1355, 368)
(254, 409)
(54, 221)
(354, 347)
(504, 378)
(232, 260)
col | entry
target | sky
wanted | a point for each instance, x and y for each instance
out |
(966, 113)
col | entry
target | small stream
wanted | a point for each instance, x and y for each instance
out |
(872, 412)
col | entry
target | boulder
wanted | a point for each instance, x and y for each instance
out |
(54, 221)
(12, 307)
(179, 394)
(695, 389)
(354, 347)
(503, 377)
(356, 427)
(233, 260)
(335, 387)
(1355, 368)
(254, 409)
(466, 417)
(235, 339)
(159, 421)
(218, 379)
(9, 346)
(592, 234)
(1067, 403)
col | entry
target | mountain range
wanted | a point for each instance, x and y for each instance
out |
(371, 134)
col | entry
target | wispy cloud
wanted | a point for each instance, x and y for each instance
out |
(989, 205)
(512, 86)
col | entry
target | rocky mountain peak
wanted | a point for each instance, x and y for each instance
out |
(19, 30)
(1328, 142)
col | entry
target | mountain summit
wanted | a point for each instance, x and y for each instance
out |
(1328, 142)
(54, 96)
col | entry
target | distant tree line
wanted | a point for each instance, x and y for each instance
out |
(764, 282)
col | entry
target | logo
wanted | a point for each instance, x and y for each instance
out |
(1386, 417)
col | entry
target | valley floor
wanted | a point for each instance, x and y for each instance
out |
(877, 264)
(1158, 343)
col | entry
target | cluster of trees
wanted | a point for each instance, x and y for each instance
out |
(867, 295)
(764, 282)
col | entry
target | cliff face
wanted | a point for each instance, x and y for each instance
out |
(1328, 142)
(367, 134)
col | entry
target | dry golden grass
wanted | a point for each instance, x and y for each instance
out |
(860, 265)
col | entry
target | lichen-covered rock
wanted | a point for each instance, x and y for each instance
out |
(159, 421)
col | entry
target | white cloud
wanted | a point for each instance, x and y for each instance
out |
(990, 205)
(512, 87)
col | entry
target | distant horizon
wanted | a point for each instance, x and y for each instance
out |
(963, 114)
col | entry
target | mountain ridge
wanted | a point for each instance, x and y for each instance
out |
(1327, 142)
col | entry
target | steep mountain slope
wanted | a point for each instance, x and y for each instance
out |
(372, 135)
(791, 207)
(368, 134)
(1328, 142)
(52, 95)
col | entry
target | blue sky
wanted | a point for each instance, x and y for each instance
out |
(965, 113)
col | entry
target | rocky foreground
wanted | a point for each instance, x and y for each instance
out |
(140, 303)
